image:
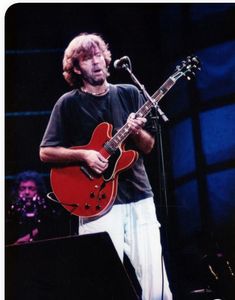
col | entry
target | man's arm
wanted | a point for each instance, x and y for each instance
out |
(60, 155)
(143, 140)
(68, 155)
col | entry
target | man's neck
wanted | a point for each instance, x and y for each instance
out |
(96, 90)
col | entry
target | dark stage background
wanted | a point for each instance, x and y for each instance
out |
(198, 220)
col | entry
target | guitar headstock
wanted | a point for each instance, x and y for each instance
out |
(188, 67)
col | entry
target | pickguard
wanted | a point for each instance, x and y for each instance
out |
(110, 171)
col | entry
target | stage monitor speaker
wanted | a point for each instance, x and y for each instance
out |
(79, 267)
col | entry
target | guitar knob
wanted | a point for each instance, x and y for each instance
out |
(98, 207)
(92, 195)
(103, 196)
(87, 206)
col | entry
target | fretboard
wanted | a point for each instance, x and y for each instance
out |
(112, 145)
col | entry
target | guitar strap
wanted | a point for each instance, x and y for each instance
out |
(112, 115)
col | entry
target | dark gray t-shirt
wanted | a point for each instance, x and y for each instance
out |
(74, 118)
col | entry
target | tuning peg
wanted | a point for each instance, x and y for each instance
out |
(178, 68)
(189, 58)
(195, 58)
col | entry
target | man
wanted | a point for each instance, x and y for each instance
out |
(131, 222)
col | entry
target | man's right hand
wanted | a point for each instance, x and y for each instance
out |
(95, 161)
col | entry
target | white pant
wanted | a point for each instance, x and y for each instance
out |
(134, 229)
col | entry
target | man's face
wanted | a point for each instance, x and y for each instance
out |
(93, 68)
(27, 189)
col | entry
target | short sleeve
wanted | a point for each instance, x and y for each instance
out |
(55, 131)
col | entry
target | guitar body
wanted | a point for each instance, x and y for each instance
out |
(83, 192)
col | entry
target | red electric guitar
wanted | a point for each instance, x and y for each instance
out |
(84, 193)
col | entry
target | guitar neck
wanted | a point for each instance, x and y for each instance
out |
(144, 110)
(187, 68)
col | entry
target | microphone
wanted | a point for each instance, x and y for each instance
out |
(119, 63)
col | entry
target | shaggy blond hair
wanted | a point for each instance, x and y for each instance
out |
(81, 46)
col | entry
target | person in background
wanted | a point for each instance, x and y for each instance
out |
(28, 208)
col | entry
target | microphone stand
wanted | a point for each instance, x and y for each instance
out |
(155, 115)
(146, 95)
(156, 112)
